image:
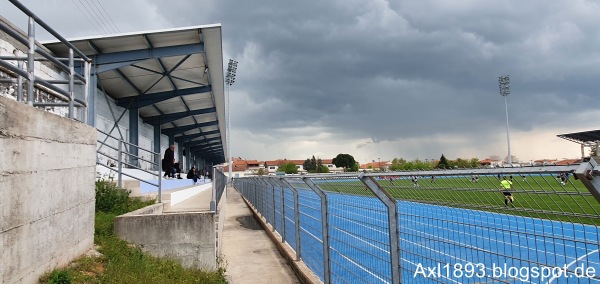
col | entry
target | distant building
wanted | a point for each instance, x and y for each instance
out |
(568, 162)
(376, 166)
(272, 166)
(544, 162)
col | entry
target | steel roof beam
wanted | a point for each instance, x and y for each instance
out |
(149, 99)
(170, 117)
(182, 129)
(110, 61)
(192, 136)
(170, 75)
(202, 145)
(203, 141)
(213, 146)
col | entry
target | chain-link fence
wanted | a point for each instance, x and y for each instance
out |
(219, 180)
(532, 225)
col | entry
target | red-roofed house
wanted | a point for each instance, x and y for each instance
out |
(271, 166)
(544, 162)
(568, 162)
(380, 166)
(489, 163)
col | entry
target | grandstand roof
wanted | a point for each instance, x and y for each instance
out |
(586, 138)
(174, 77)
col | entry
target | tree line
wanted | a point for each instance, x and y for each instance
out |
(347, 161)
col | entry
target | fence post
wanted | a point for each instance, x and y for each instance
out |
(19, 78)
(274, 211)
(394, 234)
(585, 173)
(71, 85)
(213, 201)
(30, 61)
(159, 179)
(282, 203)
(324, 228)
(120, 163)
(296, 217)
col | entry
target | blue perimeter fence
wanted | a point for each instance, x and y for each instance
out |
(447, 226)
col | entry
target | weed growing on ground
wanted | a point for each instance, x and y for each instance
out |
(120, 261)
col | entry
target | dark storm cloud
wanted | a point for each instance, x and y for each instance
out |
(403, 69)
(380, 72)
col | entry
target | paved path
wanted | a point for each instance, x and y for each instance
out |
(250, 255)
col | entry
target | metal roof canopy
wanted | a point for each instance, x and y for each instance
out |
(586, 138)
(174, 77)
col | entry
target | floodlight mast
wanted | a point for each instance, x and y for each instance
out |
(229, 80)
(504, 82)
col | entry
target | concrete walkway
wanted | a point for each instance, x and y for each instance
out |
(249, 255)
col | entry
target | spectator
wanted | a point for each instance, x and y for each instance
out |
(193, 174)
(168, 162)
(178, 170)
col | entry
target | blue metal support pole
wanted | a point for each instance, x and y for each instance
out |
(157, 145)
(134, 135)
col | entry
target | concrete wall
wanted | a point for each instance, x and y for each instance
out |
(187, 237)
(47, 173)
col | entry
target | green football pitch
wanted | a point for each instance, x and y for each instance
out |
(537, 196)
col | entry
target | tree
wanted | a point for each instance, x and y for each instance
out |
(463, 164)
(306, 164)
(323, 169)
(474, 162)
(288, 168)
(345, 161)
(397, 164)
(320, 168)
(261, 172)
(443, 164)
(313, 165)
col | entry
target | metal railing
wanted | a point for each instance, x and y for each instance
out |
(219, 185)
(446, 226)
(13, 67)
(123, 157)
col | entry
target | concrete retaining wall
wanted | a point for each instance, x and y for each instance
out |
(47, 173)
(187, 237)
(221, 213)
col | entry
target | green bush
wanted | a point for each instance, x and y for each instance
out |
(60, 277)
(111, 198)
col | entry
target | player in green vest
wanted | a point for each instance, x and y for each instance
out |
(506, 186)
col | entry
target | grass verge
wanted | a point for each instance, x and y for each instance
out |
(121, 262)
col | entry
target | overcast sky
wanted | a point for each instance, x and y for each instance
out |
(384, 79)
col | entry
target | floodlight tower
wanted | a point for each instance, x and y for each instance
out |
(229, 80)
(505, 91)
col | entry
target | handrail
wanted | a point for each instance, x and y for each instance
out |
(48, 28)
(144, 181)
(120, 159)
(28, 70)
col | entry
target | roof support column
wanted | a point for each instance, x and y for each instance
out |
(134, 135)
(171, 140)
(92, 86)
(180, 160)
(157, 145)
